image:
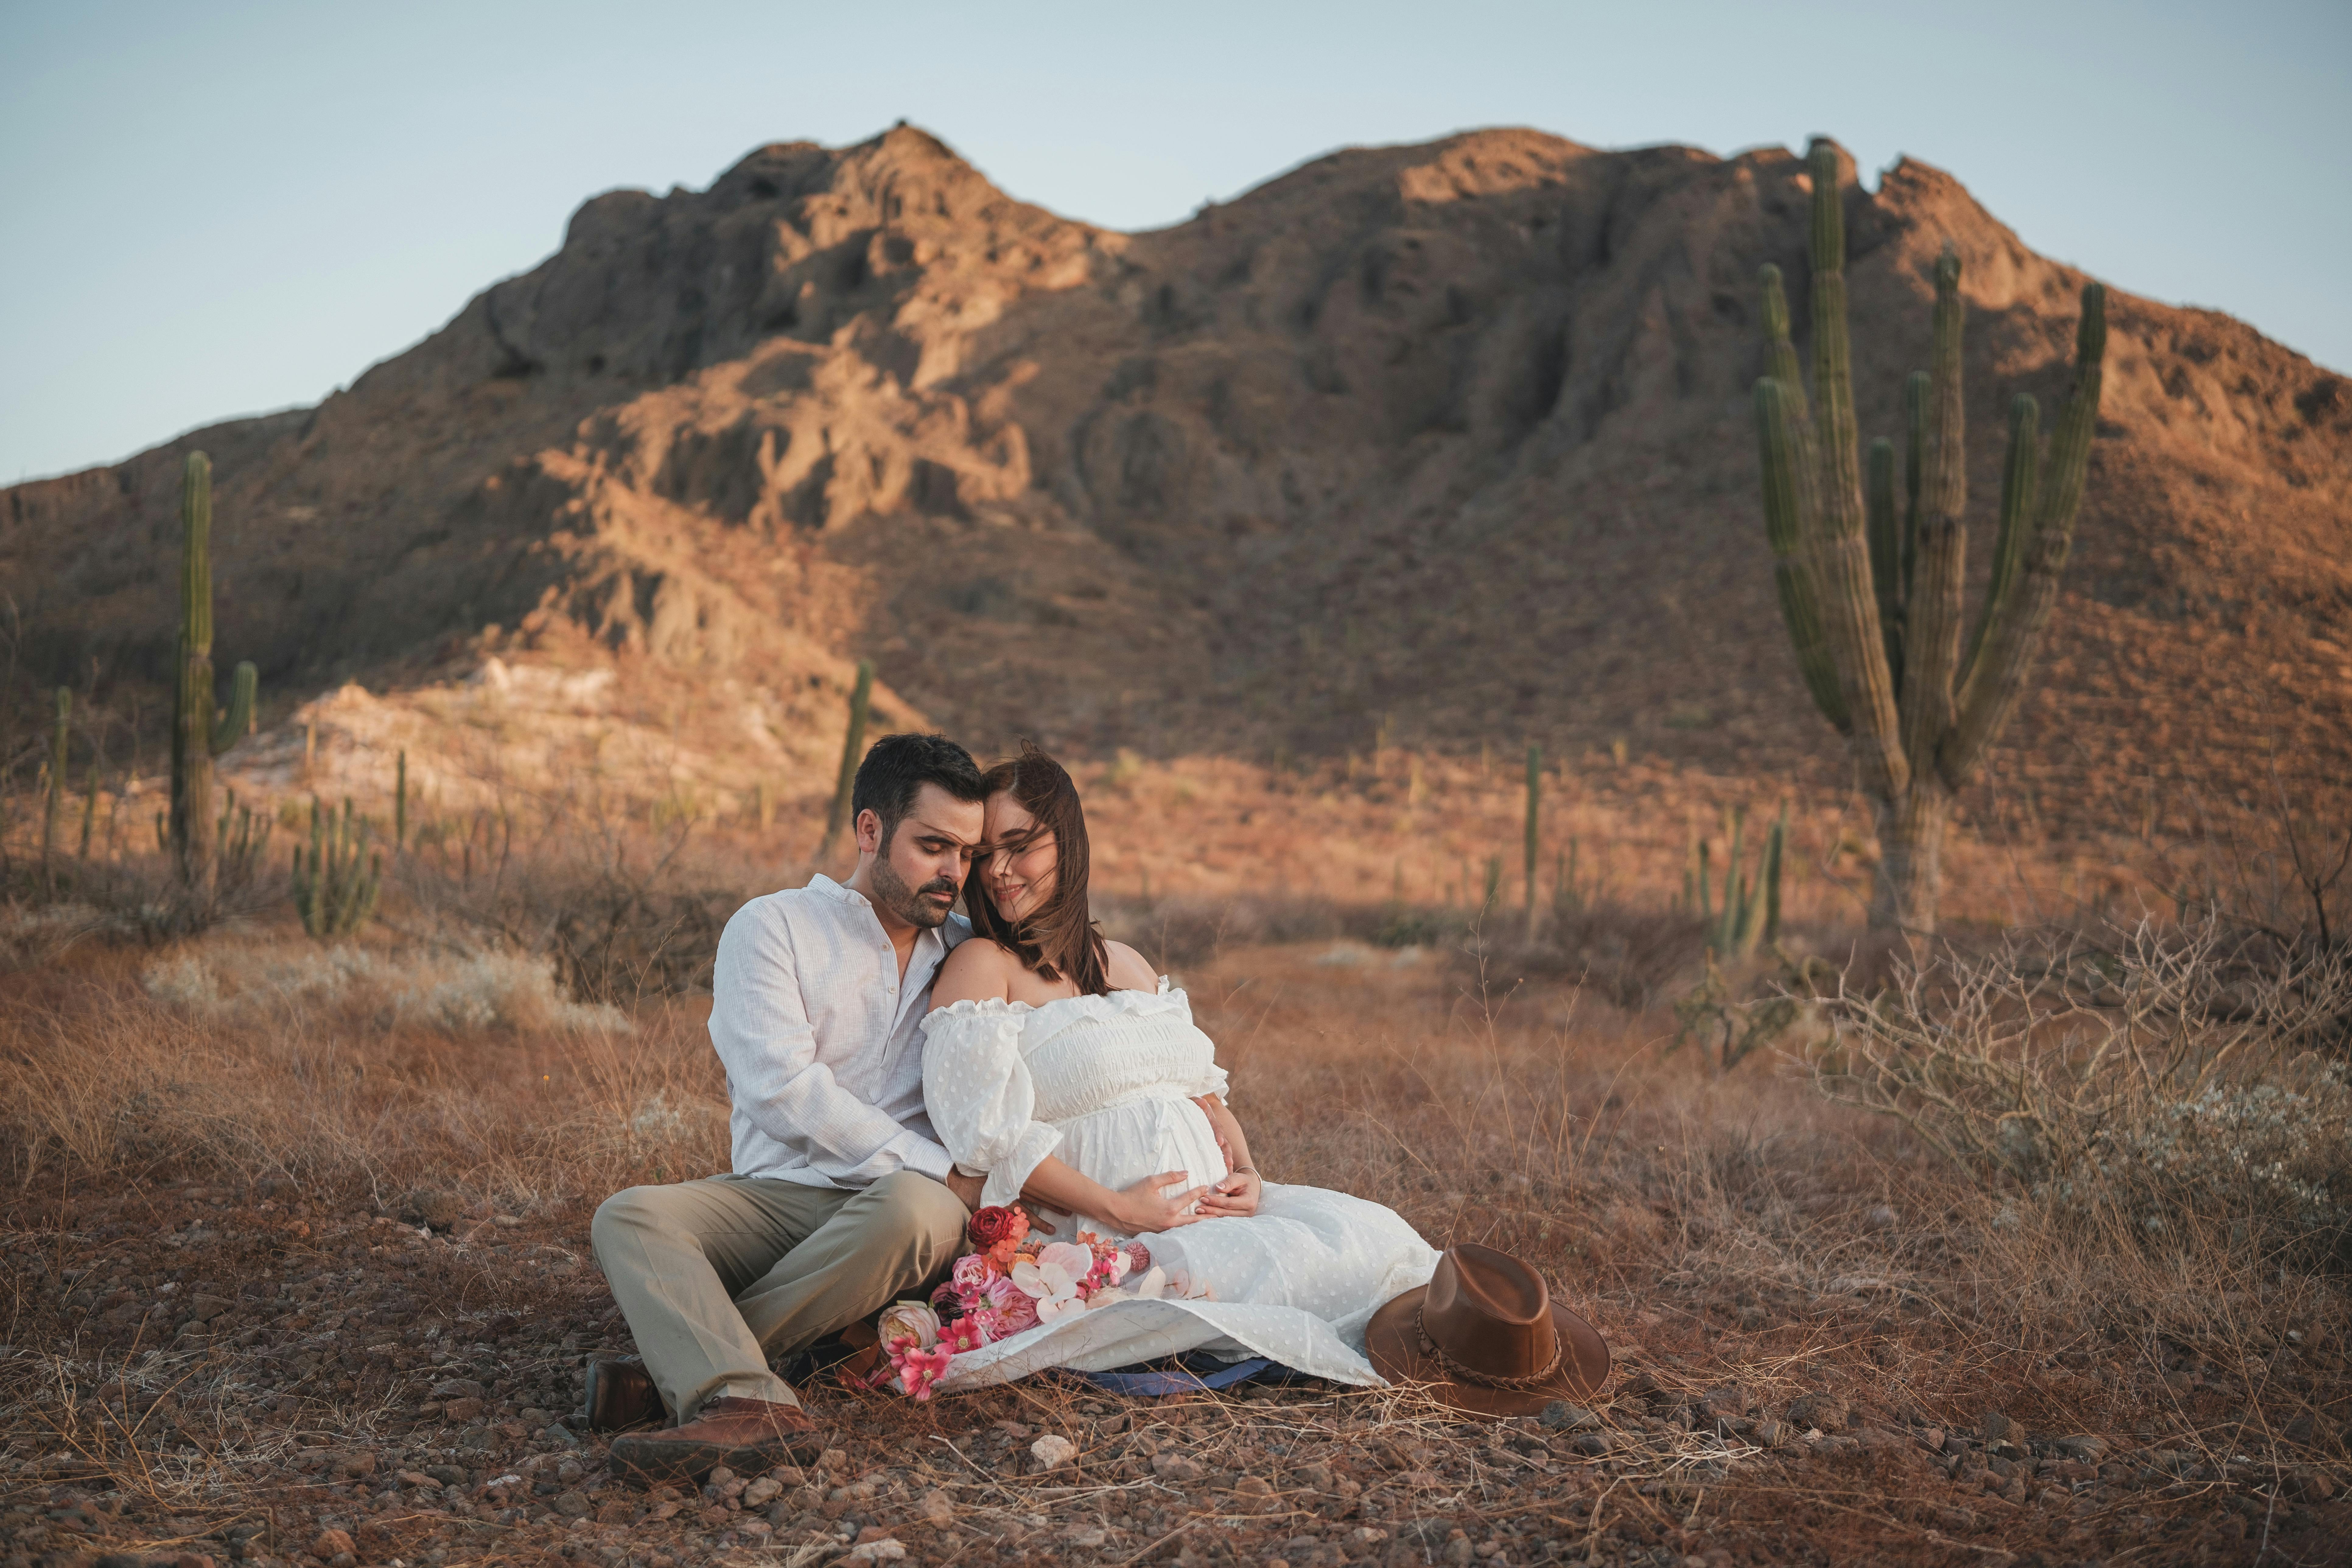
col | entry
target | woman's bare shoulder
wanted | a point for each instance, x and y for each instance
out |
(1127, 969)
(977, 971)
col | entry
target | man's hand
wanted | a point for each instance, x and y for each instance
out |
(967, 1189)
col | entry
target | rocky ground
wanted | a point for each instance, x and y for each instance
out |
(244, 1375)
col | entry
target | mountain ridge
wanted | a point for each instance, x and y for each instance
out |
(1446, 441)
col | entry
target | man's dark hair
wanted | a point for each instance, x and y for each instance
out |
(897, 768)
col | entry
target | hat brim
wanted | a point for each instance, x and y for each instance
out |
(1392, 1341)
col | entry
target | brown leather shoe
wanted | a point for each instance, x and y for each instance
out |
(620, 1395)
(745, 1435)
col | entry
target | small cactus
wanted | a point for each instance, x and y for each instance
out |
(54, 805)
(853, 748)
(332, 893)
(1534, 830)
(89, 807)
(1751, 908)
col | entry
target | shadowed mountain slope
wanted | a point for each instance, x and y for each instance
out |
(1451, 438)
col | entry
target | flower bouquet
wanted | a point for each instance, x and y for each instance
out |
(1010, 1281)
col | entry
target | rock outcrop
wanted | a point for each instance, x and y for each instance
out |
(1450, 439)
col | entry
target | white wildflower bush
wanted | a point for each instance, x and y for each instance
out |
(456, 993)
(2173, 1080)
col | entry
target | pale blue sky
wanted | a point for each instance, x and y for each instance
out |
(208, 210)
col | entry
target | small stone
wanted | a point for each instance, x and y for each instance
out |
(833, 1462)
(1719, 1402)
(1932, 1439)
(571, 1505)
(461, 1409)
(1826, 1411)
(1995, 1426)
(937, 1508)
(561, 1436)
(331, 1543)
(719, 1478)
(1254, 1486)
(432, 1207)
(789, 1474)
(1174, 1467)
(2088, 1449)
(887, 1550)
(1562, 1416)
(1364, 1535)
(1771, 1434)
(1592, 1445)
(1051, 1452)
(448, 1475)
(1318, 1476)
(1882, 1217)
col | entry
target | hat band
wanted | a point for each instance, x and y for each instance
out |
(1485, 1380)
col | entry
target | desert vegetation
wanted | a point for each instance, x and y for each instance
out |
(2029, 1241)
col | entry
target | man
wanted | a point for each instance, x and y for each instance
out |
(841, 1199)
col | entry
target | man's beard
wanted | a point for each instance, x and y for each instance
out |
(910, 904)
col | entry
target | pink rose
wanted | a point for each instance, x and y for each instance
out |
(972, 1272)
(1012, 1310)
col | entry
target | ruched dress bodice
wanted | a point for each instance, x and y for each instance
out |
(1108, 1085)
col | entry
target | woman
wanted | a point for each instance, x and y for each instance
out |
(1059, 1065)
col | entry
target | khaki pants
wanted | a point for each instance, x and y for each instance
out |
(715, 1276)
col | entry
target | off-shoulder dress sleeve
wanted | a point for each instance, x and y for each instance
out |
(977, 1089)
(1211, 1078)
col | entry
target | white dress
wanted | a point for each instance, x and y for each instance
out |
(1106, 1084)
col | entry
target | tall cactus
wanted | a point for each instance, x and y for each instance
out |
(852, 751)
(1873, 593)
(199, 732)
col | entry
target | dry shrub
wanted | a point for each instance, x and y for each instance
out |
(1631, 955)
(282, 1071)
(2159, 1081)
(620, 913)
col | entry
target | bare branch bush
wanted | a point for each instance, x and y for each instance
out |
(2157, 1074)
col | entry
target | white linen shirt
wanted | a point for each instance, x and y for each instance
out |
(822, 1038)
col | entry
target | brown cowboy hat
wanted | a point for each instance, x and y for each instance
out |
(1486, 1335)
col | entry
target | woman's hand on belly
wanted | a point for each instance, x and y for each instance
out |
(1158, 1202)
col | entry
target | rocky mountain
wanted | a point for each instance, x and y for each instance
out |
(1450, 442)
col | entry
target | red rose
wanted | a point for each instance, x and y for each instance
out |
(992, 1224)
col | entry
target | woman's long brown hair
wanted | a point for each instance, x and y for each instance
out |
(1059, 938)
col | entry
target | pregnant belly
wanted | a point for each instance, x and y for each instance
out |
(1121, 1146)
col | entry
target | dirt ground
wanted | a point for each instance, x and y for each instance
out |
(236, 1340)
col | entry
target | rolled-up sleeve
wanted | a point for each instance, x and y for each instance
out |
(979, 1093)
(759, 1026)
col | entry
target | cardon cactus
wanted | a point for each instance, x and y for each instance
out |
(1871, 591)
(852, 751)
(199, 732)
